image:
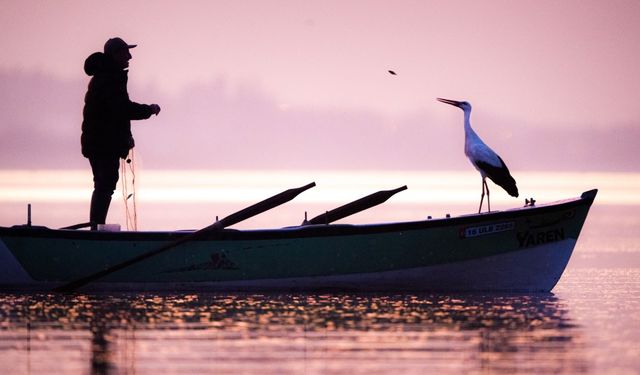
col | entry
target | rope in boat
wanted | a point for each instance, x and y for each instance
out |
(128, 181)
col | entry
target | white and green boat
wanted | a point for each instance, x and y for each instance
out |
(524, 249)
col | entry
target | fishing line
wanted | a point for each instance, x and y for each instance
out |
(128, 181)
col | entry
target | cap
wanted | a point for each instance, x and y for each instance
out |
(114, 45)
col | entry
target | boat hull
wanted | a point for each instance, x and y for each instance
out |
(523, 250)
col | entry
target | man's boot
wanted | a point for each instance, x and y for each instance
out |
(99, 208)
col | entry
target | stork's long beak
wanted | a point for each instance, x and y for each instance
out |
(449, 101)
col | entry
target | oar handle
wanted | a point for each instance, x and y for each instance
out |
(234, 218)
(354, 207)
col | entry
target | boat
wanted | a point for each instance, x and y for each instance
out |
(524, 249)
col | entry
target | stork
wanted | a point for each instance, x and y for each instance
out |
(483, 158)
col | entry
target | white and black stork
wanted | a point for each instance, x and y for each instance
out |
(483, 158)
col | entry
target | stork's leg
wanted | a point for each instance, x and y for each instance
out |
(488, 200)
(482, 196)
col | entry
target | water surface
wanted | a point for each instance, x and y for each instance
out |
(581, 328)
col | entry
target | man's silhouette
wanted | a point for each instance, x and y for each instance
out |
(106, 126)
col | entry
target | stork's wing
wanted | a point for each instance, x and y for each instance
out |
(500, 176)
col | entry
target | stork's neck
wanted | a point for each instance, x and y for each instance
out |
(467, 120)
(470, 137)
(467, 124)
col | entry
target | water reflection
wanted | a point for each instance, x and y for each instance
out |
(303, 333)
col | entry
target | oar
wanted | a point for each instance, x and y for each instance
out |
(354, 207)
(78, 226)
(234, 218)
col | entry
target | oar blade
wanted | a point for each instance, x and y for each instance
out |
(78, 226)
(355, 206)
(260, 207)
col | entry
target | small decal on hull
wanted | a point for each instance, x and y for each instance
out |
(483, 230)
(218, 261)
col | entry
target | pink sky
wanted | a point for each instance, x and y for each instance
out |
(525, 65)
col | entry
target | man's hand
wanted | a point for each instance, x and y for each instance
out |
(155, 109)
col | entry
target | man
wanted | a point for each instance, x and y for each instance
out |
(106, 126)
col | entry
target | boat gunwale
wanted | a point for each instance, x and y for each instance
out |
(306, 231)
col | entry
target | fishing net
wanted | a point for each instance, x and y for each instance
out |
(128, 181)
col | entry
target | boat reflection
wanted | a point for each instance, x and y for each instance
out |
(302, 333)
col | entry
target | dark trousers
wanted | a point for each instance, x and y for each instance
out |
(105, 177)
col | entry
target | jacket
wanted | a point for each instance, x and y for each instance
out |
(108, 111)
